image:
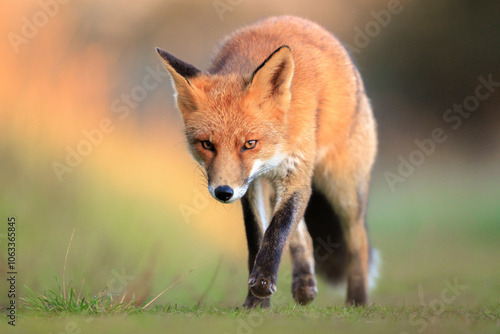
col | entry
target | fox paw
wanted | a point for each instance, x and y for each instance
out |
(261, 285)
(304, 288)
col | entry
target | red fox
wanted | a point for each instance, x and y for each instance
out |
(281, 122)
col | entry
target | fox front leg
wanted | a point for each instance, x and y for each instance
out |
(264, 276)
(254, 233)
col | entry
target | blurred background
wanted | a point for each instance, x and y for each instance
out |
(91, 142)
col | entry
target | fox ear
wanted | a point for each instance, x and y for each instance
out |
(181, 72)
(273, 78)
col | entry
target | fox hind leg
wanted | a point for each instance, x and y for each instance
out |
(304, 287)
(348, 199)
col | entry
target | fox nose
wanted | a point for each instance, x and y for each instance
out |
(224, 193)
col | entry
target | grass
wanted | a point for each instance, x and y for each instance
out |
(105, 311)
(105, 302)
(56, 303)
(289, 318)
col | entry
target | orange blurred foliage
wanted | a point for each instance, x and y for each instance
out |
(52, 89)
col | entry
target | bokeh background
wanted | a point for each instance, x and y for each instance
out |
(83, 76)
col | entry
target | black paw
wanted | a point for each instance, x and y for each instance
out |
(262, 285)
(304, 288)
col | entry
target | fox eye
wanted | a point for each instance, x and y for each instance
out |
(207, 145)
(250, 144)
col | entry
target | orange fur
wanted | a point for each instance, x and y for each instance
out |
(289, 86)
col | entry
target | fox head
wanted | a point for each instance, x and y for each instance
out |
(235, 124)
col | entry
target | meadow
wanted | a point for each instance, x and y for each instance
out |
(111, 210)
(438, 273)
